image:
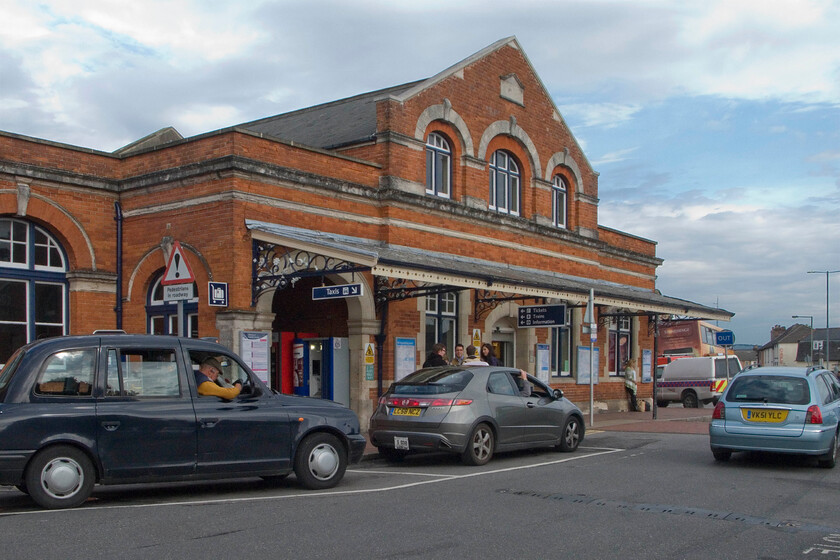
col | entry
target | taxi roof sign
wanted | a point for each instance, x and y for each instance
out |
(178, 269)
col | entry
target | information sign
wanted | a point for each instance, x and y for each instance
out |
(542, 316)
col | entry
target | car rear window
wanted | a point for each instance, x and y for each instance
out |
(433, 381)
(769, 389)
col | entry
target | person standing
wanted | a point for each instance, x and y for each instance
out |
(630, 384)
(437, 357)
(472, 359)
(459, 356)
(489, 355)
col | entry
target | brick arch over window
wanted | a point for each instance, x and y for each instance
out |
(563, 159)
(75, 240)
(445, 112)
(152, 260)
(512, 129)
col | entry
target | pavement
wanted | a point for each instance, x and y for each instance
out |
(669, 420)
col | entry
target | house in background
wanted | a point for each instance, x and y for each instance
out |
(798, 346)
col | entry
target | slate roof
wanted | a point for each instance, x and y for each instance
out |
(330, 125)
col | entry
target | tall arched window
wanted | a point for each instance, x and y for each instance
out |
(438, 166)
(559, 193)
(33, 285)
(504, 183)
(162, 316)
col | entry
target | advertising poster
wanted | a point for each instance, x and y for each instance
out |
(405, 356)
(255, 349)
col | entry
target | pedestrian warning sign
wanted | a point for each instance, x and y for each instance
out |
(178, 270)
(369, 356)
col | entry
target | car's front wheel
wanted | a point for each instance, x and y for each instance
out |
(60, 477)
(320, 461)
(479, 447)
(572, 434)
(829, 460)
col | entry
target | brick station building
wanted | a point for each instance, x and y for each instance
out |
(450, 203)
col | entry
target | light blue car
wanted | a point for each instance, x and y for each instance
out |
(779, 410)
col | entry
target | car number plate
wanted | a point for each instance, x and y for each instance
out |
(405, 411)
(764, 415)
(400, 442)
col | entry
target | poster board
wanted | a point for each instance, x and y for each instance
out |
(543, 362)
(255, 350)
(583, 365)
(405, 357)
(647, 360)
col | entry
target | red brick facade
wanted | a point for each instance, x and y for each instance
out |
(200, 191)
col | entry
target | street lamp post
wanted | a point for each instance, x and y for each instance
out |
(827, 273)
(811, 351)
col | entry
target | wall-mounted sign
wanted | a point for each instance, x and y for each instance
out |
(340, 291)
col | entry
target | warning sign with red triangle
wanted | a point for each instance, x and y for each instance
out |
(178, 270)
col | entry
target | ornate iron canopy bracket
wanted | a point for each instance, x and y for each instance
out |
(278, 267)
(396, 289)
(488, 300)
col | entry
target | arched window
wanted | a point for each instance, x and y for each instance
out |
(33, 285)
(438, 167)
(162, 316)
(559, 193)
(504, 183)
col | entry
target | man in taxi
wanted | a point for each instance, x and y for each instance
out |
(205, 380)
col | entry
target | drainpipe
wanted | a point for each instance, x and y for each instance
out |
(118, 217)
(380, 349)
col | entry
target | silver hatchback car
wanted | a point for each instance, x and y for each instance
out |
(780, 410)
(473, 411)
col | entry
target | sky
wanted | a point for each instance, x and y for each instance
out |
(714, 124)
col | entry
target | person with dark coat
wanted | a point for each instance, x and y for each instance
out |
(488, 355)
(437, 357)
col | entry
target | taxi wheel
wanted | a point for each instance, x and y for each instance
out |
(60, 477)
(320, 461)
(479, 449)
(828, 460)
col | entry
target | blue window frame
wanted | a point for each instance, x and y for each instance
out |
(33, 285)
(162, 316)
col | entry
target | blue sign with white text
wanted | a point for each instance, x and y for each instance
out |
(724, 338)
(340, 291)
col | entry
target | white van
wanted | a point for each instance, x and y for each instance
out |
(695, 380)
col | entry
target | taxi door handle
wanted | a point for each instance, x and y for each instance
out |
(110, 426)
(208, 422)
(530, 404)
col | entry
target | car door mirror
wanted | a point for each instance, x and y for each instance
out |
(558, 394)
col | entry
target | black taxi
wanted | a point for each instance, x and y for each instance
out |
(77, 411)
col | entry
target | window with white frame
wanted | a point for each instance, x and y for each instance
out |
(619, 343)
(33, 285)
(441, 320)
(504, 183)
(559, 194)
(438, 166)
(162, 316)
